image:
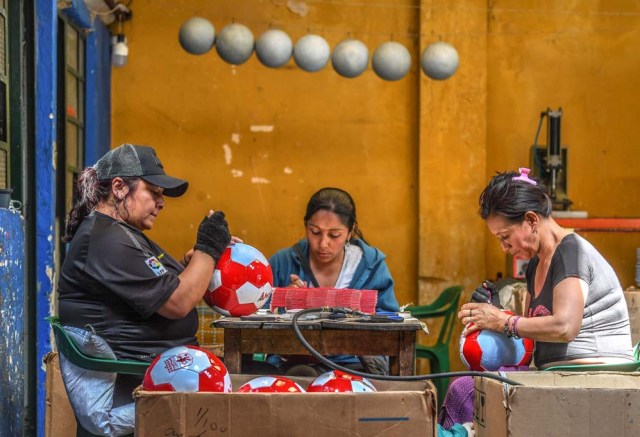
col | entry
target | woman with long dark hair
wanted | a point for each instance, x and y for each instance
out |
(334, 254)
(118, 290)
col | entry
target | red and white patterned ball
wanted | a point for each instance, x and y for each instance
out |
(187, 369)
(270, 384)
(242, 281)
(337, 381)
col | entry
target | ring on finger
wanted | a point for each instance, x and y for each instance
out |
(470, 313)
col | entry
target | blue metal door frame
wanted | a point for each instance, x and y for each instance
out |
(46, 82)
(97, 142)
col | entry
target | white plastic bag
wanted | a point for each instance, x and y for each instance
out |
(91, 392)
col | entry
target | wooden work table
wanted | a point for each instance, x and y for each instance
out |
(329, 337)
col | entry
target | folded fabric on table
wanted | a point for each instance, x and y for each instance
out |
(303, 298)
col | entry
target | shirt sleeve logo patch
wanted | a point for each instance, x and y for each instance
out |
(156, 266)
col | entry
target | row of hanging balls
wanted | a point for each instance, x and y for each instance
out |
(391, 60)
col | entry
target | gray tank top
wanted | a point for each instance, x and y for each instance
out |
(605, 330)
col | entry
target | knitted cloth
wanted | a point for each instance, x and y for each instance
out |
(458, 403)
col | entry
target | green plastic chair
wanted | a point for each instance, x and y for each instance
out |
(631, 366)
(446, 307)
(68, 348)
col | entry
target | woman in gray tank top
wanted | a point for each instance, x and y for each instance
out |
(576, 311)
(575, 308)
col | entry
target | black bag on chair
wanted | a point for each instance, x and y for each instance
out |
(375, 364)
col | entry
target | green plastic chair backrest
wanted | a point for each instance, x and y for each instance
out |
(631, 366)
(68, 348)
(445, 305)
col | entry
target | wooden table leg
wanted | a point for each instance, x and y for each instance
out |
(232, 355)
(406, 352)
(394, 365)
(402, 362)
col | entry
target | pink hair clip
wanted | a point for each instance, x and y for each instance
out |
(524, 176)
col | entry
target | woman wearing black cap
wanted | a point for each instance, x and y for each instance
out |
(118, 283)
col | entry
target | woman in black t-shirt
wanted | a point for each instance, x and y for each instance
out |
(116, 281)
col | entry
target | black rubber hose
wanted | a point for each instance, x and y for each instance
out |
(333, 365)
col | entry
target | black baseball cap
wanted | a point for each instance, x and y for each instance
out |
(131, 160)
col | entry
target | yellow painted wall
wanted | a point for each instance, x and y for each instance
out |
(415, 153)
(452, 131)
(452, 151)
(581, 56)
(287, 132)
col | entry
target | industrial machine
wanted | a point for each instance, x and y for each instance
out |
(549, 164)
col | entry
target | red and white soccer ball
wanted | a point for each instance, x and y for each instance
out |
(270, 384)
(486, 350)
(187, 369)
(241, 283)
(338, 381)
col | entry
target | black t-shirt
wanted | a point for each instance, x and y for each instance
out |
(115, 279)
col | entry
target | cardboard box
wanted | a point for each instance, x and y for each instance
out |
(59, 417)
(558, 404)
(397, 409)
(633, 304)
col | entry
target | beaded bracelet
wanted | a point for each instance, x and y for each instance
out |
(507, 327)
(514, 329)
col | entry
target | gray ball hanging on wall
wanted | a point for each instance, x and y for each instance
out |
(274, 48)
(311, 53)
(350, 58)
(197, 35)
(391, 61)
(235, 44)
(439, 60)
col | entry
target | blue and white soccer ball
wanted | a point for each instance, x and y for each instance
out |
(486, 350)
(187, 369)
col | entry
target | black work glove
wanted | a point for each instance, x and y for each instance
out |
(213, 235)
(486, 293)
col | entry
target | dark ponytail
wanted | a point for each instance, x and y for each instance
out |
(89, 192)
